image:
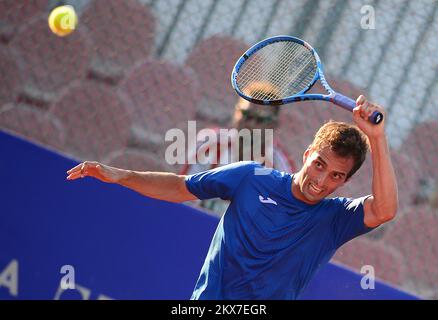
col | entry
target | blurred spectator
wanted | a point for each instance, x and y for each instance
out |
(427, 192)
(433, 199)
(249, 116)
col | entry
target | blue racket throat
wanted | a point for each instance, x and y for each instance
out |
(280, 70)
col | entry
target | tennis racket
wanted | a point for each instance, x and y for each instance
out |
(290, 66)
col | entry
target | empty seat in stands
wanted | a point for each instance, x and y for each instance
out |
(49, 63)
(162, 96)
(388, 264)
(33, 124)
(14, 14)
(213, 59)
(139, 160)
(95, 118)
(415, 234)
(421, 146)
(122, 33)
(9, 76)
(407, 175)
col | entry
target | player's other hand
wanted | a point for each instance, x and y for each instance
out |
(364, 109)
(96, 170)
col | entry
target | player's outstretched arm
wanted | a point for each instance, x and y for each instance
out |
(159, 185)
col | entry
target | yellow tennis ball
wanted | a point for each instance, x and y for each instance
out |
(63, 20)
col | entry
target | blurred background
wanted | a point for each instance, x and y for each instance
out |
(134, 69)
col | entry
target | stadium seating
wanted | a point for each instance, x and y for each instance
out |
(387, 262)
(95, 119)
(421, 146)
(33, 124)
(9, 76)
(415, 234)
(213, 59)
(140, 160)
(161, 96)
(119, 42)
(407, 176)
(14, 14)
(49, 63)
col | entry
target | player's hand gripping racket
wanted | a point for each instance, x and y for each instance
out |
(291, 66)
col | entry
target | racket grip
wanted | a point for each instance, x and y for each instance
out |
(350, 104)
(344, 102)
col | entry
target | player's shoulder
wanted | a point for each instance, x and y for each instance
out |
(238, 169)
(242, 165)
(256, 172)
(348, 203)
(270, 176)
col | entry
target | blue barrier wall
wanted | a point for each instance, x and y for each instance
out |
(121, 245)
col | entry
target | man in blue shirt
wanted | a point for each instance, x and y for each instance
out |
(280, 228)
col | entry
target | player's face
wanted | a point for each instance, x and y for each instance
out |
(322, 173)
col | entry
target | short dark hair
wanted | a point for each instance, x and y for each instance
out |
(345, 139)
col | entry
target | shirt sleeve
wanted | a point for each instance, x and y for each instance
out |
(348, 221)
(220, 182)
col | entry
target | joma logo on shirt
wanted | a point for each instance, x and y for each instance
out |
(267, 200)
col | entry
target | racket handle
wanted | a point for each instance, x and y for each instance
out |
(376, 117)
(350, 104)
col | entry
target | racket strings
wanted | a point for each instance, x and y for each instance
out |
(288, 75)
(278, 71)
(286, 67)
(262, 68)
(291, 74)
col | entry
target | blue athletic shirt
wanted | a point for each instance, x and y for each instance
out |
(268, 244)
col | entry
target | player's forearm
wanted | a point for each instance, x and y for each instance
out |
(159, 185)
(384, 185)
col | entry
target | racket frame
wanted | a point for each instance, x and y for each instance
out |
(332, 96)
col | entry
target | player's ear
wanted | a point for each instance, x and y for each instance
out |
(306, 153)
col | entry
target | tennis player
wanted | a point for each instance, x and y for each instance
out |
(279, 228)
